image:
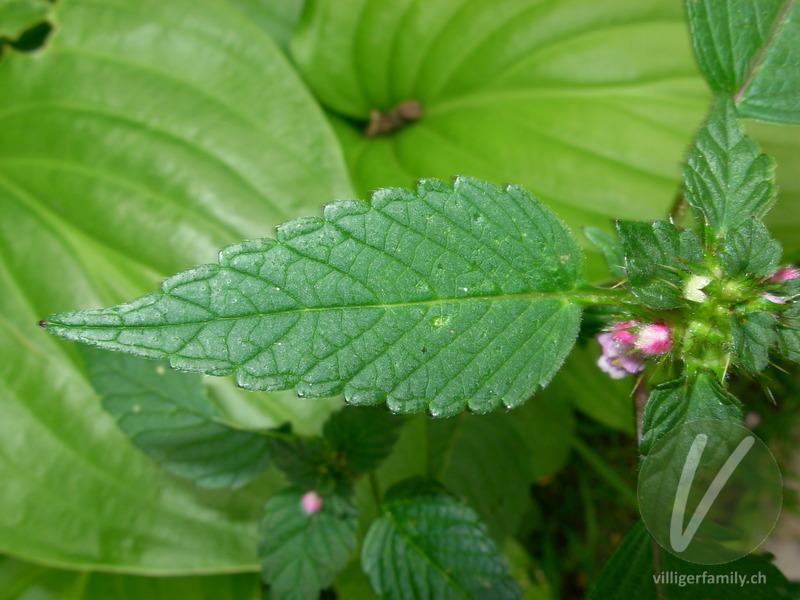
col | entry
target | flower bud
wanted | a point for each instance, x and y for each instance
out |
(785, 274)
(654, 338)
(311, 502)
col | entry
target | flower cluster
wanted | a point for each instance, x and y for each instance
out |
(628, 344)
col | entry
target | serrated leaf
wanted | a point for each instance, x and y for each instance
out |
(788, 333)
(306, 462)
(301, 553)
(362, 437)
(590, 105)
(139, 140)
(679, 401)
(727, 179)
(749, 249)
(429, 544)
(753, 336)
(440, 299)
(169, 416)
(657, 256)
(750, 51)
(18, 15)
(21, 580)
(630, 572)
(610, 248)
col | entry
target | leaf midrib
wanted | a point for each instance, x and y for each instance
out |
(762, 52)
(579, 297)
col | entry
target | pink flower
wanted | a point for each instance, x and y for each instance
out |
(619, 357)
(654, 338)
(311, 502)
(784, 274)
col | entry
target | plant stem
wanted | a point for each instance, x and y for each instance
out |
(375, 488)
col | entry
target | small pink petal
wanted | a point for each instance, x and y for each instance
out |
(773, 298)
(606, 366)
(784, 274)
(633, 362)
(622, 332)
(654, 338)
(311, 502)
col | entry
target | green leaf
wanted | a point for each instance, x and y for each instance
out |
(28, 581)
(429, 544)
(276, 17)
(590, 105)
(302, 552)
(749, 249)
(728, 180)
(680, 401)
(657, 255)
(307, 463)
(610, 247)
(440, 299)
(630, 572)
(753, 336)
(750, 51)
(362, 437)
(788, 333)
(18, 15)
(491, 461)
(169, 416)
(141, 139)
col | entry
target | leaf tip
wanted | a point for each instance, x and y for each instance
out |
(43, 323)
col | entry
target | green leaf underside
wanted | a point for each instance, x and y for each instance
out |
(727, 178)
(629, 574)
(749, 50)
(449, 297)
(753, 336)
(749, 249)
(302, 553)
(655, 256)
(28, 581)
(676, 402)
(168, 415)
(429, 544)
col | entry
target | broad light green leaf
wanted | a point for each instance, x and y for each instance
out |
(750, 50)
(749, 249)
(679, 401)
(727, 178)
(753, 336)
(18, 15)
(144, 137)
(169, 416)
(491, 461)
(658, 257)
(590, 105)
(429, 544)
(440, 299)
(276, 17)
(27, 581)
(302, 552)
(629, 574)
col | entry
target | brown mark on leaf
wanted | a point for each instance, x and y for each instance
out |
(394, 119)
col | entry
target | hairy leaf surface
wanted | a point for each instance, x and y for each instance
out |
(753, 337)
(169, 416)
(679, 401)
(749, 249)
(301, 553)
(440, 299)
(727, 178)
(751, 50)
(429, 544)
